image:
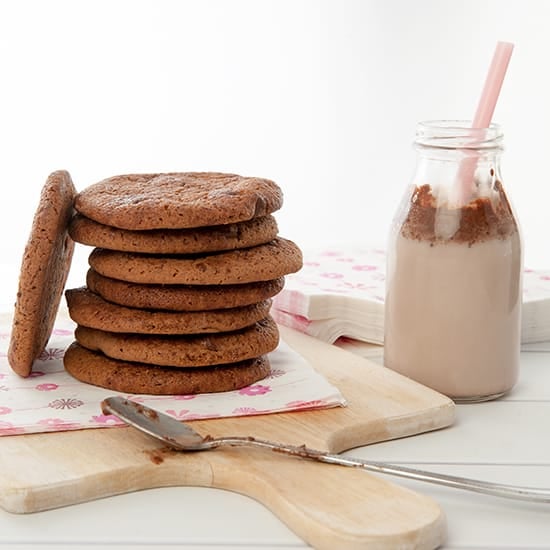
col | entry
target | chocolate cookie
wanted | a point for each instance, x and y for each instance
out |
(259, 263)
(138, 378)
(44, 271)
(184, 351)
(174, 241)
(178, 200)
(90, 310)
(181, 297)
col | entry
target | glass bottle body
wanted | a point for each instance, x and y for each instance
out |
(453, 286)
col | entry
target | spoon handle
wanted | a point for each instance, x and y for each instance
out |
(532, 494)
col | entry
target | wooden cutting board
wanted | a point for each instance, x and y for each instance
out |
(327, 506)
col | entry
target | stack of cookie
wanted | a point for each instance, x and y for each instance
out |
(178, 293)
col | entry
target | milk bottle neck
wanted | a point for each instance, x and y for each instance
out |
(453, 157)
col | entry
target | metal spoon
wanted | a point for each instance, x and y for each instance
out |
(182, 437)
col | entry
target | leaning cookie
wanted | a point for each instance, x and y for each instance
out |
(90, 310)
(138, 378)
(178, 200)
(259, 263)
(184, 351)
(181, 297)
(44, 271)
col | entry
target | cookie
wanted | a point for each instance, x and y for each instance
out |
(181, 297)
(44, 269)
(178, 200)
(259, 263)
(90, 310)
(138, 378)
(184, 351)
(174, 241)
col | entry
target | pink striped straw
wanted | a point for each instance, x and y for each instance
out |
(485, 110)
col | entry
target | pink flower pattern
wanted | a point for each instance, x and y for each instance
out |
(356, 273)
(57, 423)
(364, 267)
(107, 419)
(332, 275)
(47, 387)
(245, 410)
(256, 389)
(7, 428)
(36, 374)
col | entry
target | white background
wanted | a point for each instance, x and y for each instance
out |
(321, 96)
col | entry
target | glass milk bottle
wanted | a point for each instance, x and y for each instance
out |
(454, 267)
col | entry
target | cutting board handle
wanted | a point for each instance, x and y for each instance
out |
(331, 506)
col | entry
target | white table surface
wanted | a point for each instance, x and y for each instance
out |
(504, 441)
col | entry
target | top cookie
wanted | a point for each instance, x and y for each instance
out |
(44, 271)
(178, 200)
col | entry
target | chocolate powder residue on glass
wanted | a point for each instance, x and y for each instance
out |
(480, 220)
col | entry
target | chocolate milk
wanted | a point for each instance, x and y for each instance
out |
(453, 300)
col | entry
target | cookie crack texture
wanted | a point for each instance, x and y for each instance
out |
(187, 199)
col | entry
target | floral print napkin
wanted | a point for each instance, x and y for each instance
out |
(52, 400)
